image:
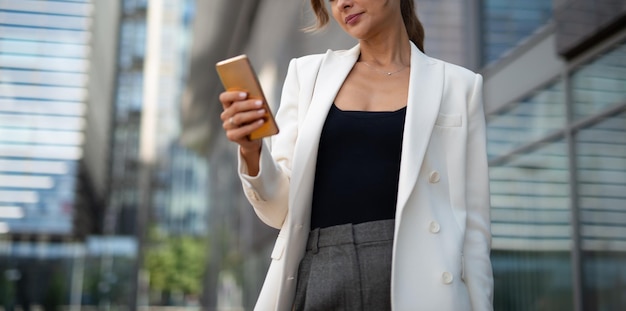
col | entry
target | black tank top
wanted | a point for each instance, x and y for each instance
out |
(358, 167)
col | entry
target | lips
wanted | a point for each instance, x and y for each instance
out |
(352, 18)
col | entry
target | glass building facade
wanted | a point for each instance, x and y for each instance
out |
(163, 193)
(557, 161)
(505, 23)
(179, 176)
(124, 186)
(47, 62)
(44, 50)
(44, 65)
(598, 105)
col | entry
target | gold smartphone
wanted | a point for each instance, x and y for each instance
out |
(238, 75)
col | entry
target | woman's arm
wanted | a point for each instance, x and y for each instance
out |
(267, 186)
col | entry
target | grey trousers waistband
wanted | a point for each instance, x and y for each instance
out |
(374, 231)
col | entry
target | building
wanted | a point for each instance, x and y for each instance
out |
(555, 104)
(154, 182)
(57, 61)
(89, 152)
(44, 64)
(44, 68)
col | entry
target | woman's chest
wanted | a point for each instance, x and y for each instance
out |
(366, 91)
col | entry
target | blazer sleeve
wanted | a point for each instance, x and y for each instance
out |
(268, 191)
(477, 243)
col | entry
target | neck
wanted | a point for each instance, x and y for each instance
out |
(387, 49)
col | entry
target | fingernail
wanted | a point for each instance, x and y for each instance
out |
(258, 103)
(261, 111)
(243, 95)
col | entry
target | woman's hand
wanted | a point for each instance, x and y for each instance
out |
(241, 116)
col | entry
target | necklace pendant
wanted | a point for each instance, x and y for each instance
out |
(389, 73)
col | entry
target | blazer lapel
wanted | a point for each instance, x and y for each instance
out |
(425, 93)
(332, 73)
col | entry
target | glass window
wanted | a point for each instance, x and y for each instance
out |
(532, 280)
(530, 200)
(531, 230)
(43, 65)
(531, 187)
(529, 120)
(600, 84)
(601, 173)
(140, 39)
(506, 23)
(131, 6)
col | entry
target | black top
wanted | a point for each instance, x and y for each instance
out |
(358, 167)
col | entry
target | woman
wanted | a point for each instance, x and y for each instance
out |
(378, 179)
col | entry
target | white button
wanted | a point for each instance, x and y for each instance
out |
(434, 227)
(299, 227)
(434, 177)
(291, 278)
(447, 278)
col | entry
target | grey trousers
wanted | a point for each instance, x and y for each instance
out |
(347, 267)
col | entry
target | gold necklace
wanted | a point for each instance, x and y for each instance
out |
(384, 72)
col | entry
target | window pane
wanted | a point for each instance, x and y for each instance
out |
(600, 84)
(601, 160)
(530, 201)
(506, 23)
(532, 280)
(529, 120)
(531, 230)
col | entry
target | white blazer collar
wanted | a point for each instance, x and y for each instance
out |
(333, 71)
(425, 94)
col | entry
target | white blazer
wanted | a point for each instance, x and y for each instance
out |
(442, 235)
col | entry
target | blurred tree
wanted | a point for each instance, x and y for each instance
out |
(175, 264)
(7, 291)
(56, 293)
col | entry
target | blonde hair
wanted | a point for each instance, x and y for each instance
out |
(414, 27)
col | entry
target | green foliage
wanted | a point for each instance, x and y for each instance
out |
(55, 293)
(7, 290)
(176, 264)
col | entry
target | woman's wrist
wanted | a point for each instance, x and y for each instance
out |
(250, 150)
(251, 155)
